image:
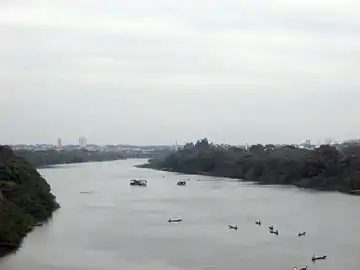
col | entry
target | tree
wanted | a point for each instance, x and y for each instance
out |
(325, 167)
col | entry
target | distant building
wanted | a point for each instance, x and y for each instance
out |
(59, 143)
(306, 145)
(82, 141)
(246, 147)
(328, 141)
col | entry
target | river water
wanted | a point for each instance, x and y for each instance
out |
(123, 227)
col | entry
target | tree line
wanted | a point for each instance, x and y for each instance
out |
(52, 157)
(325, 167)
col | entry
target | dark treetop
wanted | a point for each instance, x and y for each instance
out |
(25, 199)
(325, 167)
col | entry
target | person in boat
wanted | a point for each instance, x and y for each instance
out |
(301, 268)
(138, 182)
(233, 227)
(301, 234)
(175, 220)
(314, 258)
(181, 183)
(258, 222)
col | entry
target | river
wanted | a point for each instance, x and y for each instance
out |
(124, 227)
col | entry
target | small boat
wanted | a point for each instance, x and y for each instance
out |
(300, 268)
(301, 234)
(174, 220)
(138, 182)
(258, 222)
(274, 232)
(233, 227)
(355, 192)
(314, 258)
(181, 183)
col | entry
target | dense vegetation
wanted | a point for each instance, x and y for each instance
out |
(25, 199)
(51, 157)
(325, 167)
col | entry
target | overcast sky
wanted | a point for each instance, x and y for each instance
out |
(152, 72)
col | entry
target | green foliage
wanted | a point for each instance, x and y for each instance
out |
(325, 167)
(52, 157)
(14, 224)
(25, 199)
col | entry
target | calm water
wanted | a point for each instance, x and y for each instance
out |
(123, 227)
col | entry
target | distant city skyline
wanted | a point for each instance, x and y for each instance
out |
(82, 142)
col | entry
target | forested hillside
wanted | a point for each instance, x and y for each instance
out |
(25, 199)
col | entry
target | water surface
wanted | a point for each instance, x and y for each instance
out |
(124, 227)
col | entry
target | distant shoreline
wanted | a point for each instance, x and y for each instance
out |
(48, 158)
(51, 166)
(352, 193)
(146, 166)
(325, 168)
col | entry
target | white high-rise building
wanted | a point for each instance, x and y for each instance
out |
(59, 143)
(82, 141)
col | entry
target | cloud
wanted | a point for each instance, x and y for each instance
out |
(63, 19)
(253, 59)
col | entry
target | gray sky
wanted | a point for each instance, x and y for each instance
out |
(152, 72)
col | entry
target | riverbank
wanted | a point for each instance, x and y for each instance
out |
(323, 168)
(74, 163)
(41, 159)
(26, 200)
(148, 166)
